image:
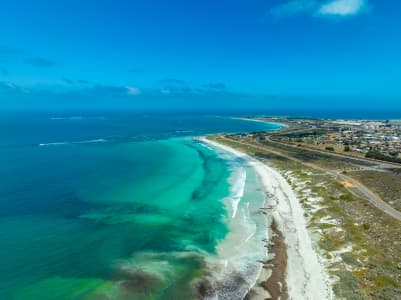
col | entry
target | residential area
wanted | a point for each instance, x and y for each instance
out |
(364, 138)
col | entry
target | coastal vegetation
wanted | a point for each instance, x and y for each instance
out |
(359, 244)
(381, 156)
(386, 184)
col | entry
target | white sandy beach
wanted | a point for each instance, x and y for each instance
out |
(306, 276)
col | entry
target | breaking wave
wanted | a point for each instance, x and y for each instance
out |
(235, 269)
(237, 189)
(70, 143)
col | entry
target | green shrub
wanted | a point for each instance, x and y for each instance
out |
(380, 156)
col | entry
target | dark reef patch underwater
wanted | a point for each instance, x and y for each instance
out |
(123, 206)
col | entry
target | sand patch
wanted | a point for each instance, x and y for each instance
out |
(347, 184)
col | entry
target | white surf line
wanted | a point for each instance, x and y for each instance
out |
(237, 190)
(306, 276)
(70, 143)
(261, 121)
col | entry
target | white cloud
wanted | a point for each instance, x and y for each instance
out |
(8, 84)
(131, 90)
(293, 7)
(165, 91)
(336, 8)
(342, 7)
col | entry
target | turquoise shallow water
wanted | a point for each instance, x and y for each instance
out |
(121, 206)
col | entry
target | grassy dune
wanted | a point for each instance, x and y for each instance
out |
(358, 244)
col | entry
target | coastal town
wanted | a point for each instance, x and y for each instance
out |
(376, 139)
(345, 175)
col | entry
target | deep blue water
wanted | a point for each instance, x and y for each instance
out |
(101, 205)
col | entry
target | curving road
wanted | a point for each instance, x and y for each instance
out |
(371, 196)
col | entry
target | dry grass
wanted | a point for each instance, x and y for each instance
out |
(386, 184)
(361, 244)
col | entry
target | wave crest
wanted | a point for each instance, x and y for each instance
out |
(238, 181)
(70, 143)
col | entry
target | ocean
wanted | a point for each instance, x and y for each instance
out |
(125, 205)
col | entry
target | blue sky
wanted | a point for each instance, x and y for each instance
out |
(200, 54)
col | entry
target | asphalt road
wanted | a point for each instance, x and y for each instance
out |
(378, 163)
(369, 195)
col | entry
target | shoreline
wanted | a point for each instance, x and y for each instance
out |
(303, 272)
(271, 283)
(276, 284)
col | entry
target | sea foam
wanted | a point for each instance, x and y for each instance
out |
(69, 143)
(235, 268)
(306, 276)
(54, 144)
(238, 181)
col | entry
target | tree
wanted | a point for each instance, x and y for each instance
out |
(381, 156)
